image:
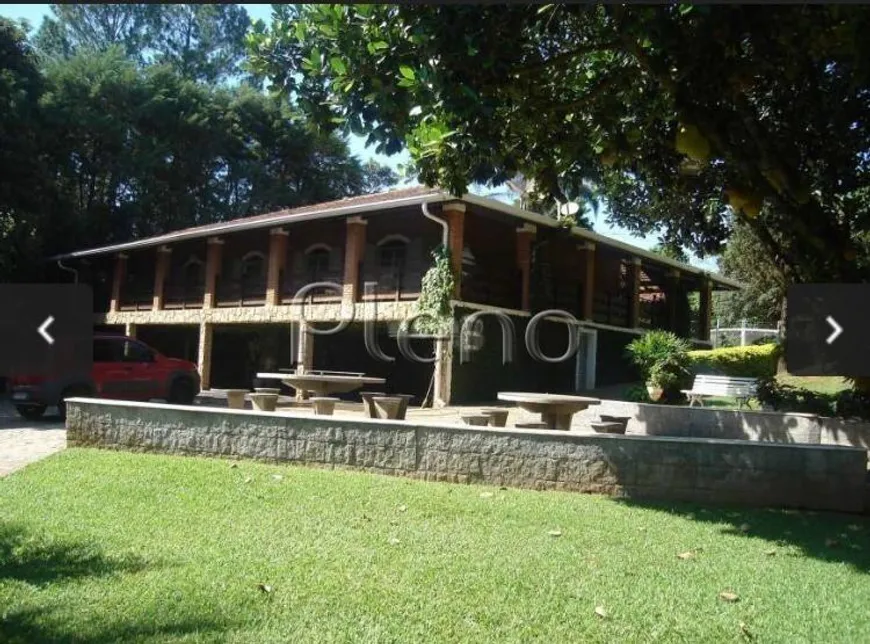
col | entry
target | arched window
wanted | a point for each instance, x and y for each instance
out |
(392, 256)
(253, 266)
(317, 262)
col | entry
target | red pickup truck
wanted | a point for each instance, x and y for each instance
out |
(123, 368)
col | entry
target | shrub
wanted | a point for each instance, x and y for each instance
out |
(655, 348)
(757, 361)
(786, 398)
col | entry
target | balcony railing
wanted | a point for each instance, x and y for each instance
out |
(136, 297)
(183, 296)
(241, 292)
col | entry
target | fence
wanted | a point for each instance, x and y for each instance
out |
(740, 336)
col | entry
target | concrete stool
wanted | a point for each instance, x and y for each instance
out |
(608, 428)
(236, 398)
(369, 403)
(475, 419)
(497, 417)
(531, 426)
(386, 406)
(264, 401)
(323, 406)
(623, 420)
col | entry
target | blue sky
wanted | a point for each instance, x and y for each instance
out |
(35, 12)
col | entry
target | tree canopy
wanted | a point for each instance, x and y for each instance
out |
(685, 118)
(97, 147)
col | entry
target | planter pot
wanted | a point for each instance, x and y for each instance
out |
(655, 392)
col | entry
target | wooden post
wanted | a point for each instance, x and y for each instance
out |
(277, 259)
(161, 272)
(634, 293)
(212, 270)
(353, 256)
(455, 214)
(589, 281)
(673, 281)
(118, 282)
(525, 235)
(206, 333)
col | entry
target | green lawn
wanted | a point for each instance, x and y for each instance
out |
(102, 547)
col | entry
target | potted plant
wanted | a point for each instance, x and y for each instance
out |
(662, 359)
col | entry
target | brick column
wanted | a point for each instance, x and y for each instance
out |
(118, 282)
(277, 260)
(161, 272)
(525, 235)
(455, 215)
(354, 250)
(589, 280)
(130, 329)
(212, 270)
(203, 361)
(634, 293)
(705, 308)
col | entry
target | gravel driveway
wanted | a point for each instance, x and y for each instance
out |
(24, 441)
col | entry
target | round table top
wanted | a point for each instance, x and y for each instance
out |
(319, 377)
(542, 398)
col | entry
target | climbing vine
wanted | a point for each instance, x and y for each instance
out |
(436, 293)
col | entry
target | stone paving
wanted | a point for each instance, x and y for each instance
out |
(25, 441)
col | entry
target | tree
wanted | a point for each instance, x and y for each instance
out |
(23, 186)
(681, 116)
(670, 251)
(203, 42)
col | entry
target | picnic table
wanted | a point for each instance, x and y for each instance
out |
(556, 410)
(323, 383)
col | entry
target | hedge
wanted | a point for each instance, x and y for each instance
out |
(740, 362)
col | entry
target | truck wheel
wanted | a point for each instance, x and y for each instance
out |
(181, 392)
(30, 412)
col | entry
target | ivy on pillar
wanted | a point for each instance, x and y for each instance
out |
(589, 280)
(277, 260)
(161, 272)
(455, 215)
(525, 235)
(212, 270)
(118, 282)
(353, 257)
(203, 361)
(634, 293)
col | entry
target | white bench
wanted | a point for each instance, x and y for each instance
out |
(740, 388)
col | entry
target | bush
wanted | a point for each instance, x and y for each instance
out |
(662, 358)
(786, 398)
(740, 362)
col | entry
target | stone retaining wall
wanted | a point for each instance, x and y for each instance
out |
(705, 470)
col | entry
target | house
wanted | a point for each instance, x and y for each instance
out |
(224, 294)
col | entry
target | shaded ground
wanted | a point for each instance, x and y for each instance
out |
(99, 546)
(25, 441)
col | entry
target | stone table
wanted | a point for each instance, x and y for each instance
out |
(556, 410)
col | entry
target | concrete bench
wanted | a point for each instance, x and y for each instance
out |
(323, 405)
(622, 420)
(368, 396)
(497, 416)
(704, 386)
(236, 398)
(475, 419)
(607, 428)
(263, 401)
(532, 426)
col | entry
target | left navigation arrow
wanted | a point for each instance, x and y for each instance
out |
(43, 329)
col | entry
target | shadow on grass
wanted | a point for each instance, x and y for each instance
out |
(836, 538)
(27, 558)
(32, 626)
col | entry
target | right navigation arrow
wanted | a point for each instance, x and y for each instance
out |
(836, 327)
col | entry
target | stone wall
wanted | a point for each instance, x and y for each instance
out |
(704, 470)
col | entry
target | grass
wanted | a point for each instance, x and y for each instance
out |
(100, 546)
